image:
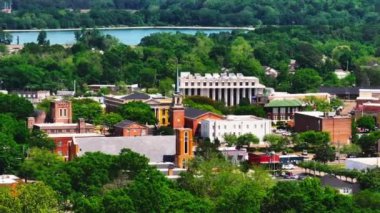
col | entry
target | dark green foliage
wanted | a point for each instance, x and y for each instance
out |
(305, 196)
(88, 109)
(18, 107)
(366, 122)
(138, 111)
(371, 180)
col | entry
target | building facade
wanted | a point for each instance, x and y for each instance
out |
(128, 128)
(34, 97)
(237, 125)
(282, 109)
(184, 147)
(339, 127)
(229, 88)
(160, 105)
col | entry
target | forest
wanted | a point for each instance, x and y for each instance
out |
(101, 59)
(42, 14)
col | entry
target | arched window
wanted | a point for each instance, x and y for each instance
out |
(186, 142)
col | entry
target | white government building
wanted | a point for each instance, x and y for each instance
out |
(227, 87)
(236, 124)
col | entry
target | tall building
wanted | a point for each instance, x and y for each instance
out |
(177, 112)
(229, 88)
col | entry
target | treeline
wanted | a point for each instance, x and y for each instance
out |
(97, 58)
(66, 14)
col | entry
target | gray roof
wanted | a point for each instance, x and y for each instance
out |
(136, 96)
(194, 113)
(153, 147)
(332, 181)
(124, 123)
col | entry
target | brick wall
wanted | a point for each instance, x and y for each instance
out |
(339, 129)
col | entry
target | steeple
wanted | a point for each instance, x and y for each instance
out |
(177, 81)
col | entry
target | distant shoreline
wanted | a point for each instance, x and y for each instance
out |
(141, 27)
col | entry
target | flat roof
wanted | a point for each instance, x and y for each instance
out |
(319, 114)
(243, 118)
(59, 124)
(368, 161)
(77, 135)
(152, 147)
(284, 103)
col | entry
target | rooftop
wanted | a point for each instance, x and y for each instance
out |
(243, 118)
(136, 96)
(60, 124)
(125, 123)
(225, 75)
(284, 103)
(77, 135)
(155, 148)
(194, 113)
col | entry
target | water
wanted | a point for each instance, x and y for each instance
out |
(126, 36)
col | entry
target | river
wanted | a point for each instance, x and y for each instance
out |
(130, 36)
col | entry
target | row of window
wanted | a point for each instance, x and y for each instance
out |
(64, 131)
(242, 126)
(217, 83)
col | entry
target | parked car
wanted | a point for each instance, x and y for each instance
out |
(288, 166)
(290, 175)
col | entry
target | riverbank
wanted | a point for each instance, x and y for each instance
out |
(141, 27)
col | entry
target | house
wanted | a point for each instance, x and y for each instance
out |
(129, 128)
(237, 125)
(343, 187)
(159, 104)
(226, 87)
(235, 156)
(34, 97)
(283, 109)
(339, 127)
(194, 118)
(269, 71)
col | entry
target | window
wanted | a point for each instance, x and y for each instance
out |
(247, 126)
(222, 83)
(186, 140)
(225, 126)
(198, 83)
(253, 83)
(163, 121)
(163, 112)
(186, 84)
(62, 112)
(246, 83)
(210, 83)
(59, 143)
(234, 83)
(241, 83)
(192, 83)
(216, 84)
(204, 84)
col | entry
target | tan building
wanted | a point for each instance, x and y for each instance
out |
(160, 105)
(339, 127)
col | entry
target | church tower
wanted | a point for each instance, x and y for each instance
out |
(177, 112)
(184, 147)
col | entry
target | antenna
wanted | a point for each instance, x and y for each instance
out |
(177, 84)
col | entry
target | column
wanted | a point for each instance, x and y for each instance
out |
(238, 96)
(250, 95)
(232, 96)
(220, 98)
(213, 94)
(244, 96)
(225, 96)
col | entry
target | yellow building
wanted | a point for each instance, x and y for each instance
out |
(160, 105)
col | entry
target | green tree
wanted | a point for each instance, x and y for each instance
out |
(37, 197)
(40, 139)
(309, 139)
(88, 109)
(42, 38)
(305, 80)
(247, 139)
(109, 120)
(277, 142)
(230, 139)
(324, 153)
(351, 149)
(165, 86)
(11, 155)
(138, 111)
(366, 122)
(18, 107)
(250, 110)
(367, 200)
(368, 144)
(370, 180)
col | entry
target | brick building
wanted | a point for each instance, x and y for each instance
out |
(283, 109)
(339, 127)
(129, 128)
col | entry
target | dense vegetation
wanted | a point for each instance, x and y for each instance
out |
(60, 14)
(96, 58)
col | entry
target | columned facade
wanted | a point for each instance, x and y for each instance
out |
(229, 88)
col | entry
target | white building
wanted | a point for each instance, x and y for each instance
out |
(227, 87)
(236, 124)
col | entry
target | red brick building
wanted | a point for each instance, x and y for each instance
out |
(129, 128)
(339, 127)
(194, 118)
(61, 111)
(263, 158)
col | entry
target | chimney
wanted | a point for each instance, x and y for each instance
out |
(82, 125)
(31, 122)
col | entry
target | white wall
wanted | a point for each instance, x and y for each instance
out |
(218, 128)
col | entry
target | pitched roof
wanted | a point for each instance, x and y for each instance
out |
(155, 148)
(136, 96)
(194, 113)
(284, 103)
(124, 123)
